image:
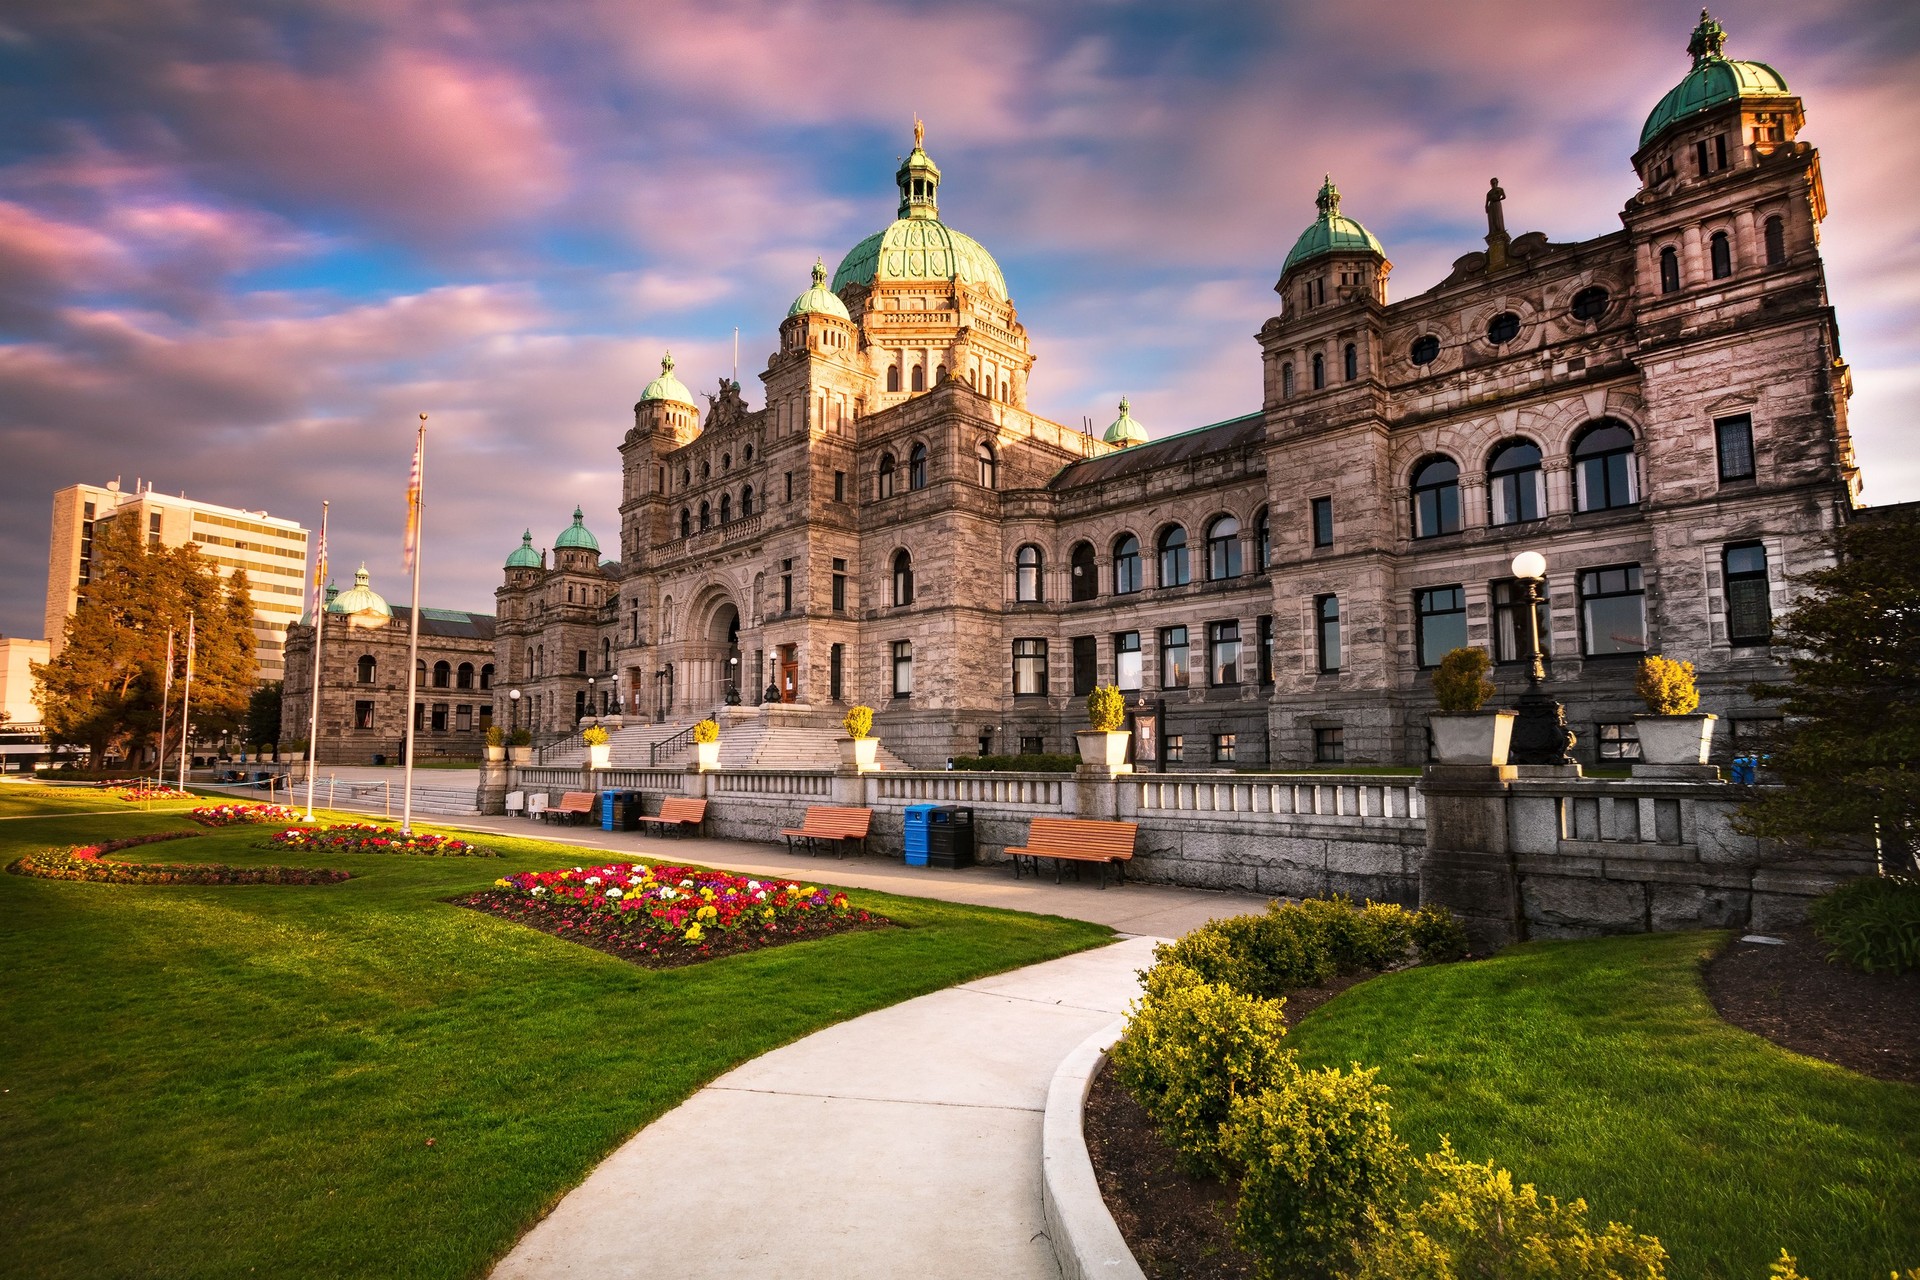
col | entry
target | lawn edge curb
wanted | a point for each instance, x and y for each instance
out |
(1086, 1241)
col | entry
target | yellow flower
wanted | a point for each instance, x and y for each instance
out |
(695, 933)
(706, 913)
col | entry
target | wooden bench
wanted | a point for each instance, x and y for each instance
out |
(831, 822)
(574, 805)
(1108, 844)
(678, 813)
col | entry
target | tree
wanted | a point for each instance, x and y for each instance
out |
(104, 689)
(1850, 740)
(263, 715)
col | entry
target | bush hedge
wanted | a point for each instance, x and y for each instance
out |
(1872, 924)
(1050, 762)
(1311, 942)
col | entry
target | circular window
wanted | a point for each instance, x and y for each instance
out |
(1425, 349)
(1590, 304)
(1504, 327)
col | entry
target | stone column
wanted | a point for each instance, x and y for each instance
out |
(1468, 865)
(492, 795)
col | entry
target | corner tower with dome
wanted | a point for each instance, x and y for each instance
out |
(1660, 411)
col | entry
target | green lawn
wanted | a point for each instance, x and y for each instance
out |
(243, 1081)
(1599, 1069)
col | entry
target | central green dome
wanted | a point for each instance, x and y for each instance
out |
(918, 247)
(1714, 80)
(575, 536)
(1331, 232)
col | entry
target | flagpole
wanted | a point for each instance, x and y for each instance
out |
(186, 708)
(416, 494)
(319, 628)
(166, 696)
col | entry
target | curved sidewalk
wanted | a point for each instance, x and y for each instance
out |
(905, 1142)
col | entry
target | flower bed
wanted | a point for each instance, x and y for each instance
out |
(663, 915)
(227, 815)
(364, 837)
(89, 863)
(138, 789)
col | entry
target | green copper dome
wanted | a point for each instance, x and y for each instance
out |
(360, 601)
(575, 536)
(666, 386)
(820, 298)
(1332, 232)
(1714, 80)
(1125, 430)
(918, 246)
(524, 556)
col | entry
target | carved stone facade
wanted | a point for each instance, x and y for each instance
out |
(1660, 412)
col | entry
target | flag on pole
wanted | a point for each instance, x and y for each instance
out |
(189, 646)
(166, 679)
(413, 511)
(320, 575)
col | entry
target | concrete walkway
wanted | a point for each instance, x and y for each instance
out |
(902, 1143)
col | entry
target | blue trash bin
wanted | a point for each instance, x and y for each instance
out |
(919, 820)
(1745, 770)
(610, 810)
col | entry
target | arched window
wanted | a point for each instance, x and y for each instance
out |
(1669, 269)
(420, 673)
(885, 475)
(1263, 539)
(1175, 571)
(917, 467)
(486, 676)
(1604, 474)
(1436, 498)
(686, 477)
(1516, 490)
(1352, 358)
(1223, 549)
(463, 678)
(1085, 574)
(726, 508)
(366, 669)
(1776, 239)
(989, 466)
(1720, 253)
(902, 578)
(919, 377)
(1286, 381)
(726, 462)
(893, 377)
(706, 517)
(746, 502)
(1126, 565)
(686, 522)
(442, 674)
(939, 374)
(1319, 371)
(1026, 573)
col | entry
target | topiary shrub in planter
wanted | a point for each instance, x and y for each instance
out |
(496, 743)
(1106, 709)
(1666, 686)
(706, 731)
(1460, 682)
(706, 745)
(1671, 734)
(1462, 732)
(858, 722)
(598, 752)
(1103, 745)
(857, 749)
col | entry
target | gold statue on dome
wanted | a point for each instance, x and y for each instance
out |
(919, 133)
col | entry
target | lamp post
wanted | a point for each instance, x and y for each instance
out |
(1540, 733)
(733, 681)
(513, 710)
(593, 708)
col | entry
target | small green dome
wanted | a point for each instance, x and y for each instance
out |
(361, 600)
(666, 386)
(1331, 232)
(918, 246)
(575, 536)
(1714, 80)
(1125, 430)
(820, 298)
(524, 556)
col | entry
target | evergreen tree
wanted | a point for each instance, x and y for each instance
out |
(1849, 745)
(263, 715)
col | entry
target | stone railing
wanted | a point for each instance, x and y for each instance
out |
(771, 782)
(1023, 790)
(555, 778)
(1328, 797)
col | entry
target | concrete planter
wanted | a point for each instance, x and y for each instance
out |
(858, 754)
(1471, 737)
(496, 754)
(599, 757)
(1675, 739)
(520, 755)
(706, 756)
(1104, 750)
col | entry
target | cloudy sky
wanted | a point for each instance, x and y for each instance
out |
(242, 244)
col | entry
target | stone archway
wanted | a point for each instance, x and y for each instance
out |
(713, 671)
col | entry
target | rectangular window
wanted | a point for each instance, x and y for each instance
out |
(903, 668)
(1329, 744)
(419, 717)
(1223, 748)
(439, 717)
(1511, 640)
(1029, 668)
(1032, 745)
(786, 586)
(1440, 623)
(1719, 150)
(486, 719)
(1734, 436)
(1700, 157)
(1223, 653)
(1749, 615)
(1613, 612)
(1323, 522)
(789, 486)
(1618, 740)
(1176, 744)
(1173, 658)
(1326, 627)
(1086, 665)
(1126, 661)
(836, 672)
(363, 715)
(1263, 630)
(580, 661)
(839, 486)
(153, 528)
(839, 586)
(463, 718)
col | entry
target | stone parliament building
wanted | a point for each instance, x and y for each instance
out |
(1660, 411)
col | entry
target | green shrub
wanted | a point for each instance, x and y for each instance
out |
(1166, 976)
(1319, 1162)
(1106, 708)
(1439, 935)
(520, 738)
(1872, 924)
(1189, 1051)
(594, 736)
(858, 722)
(706, 731)
(1243, 952)
(1470, 1221)
(1038, 762)
(496, 736)
(1666, 686)
(1460, 681)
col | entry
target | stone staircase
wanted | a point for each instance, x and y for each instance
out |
(750, 738)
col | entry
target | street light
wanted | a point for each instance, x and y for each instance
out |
(593, 708)
(733, 681)
(513, 713)
(1540, 733)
